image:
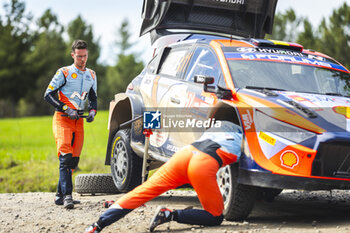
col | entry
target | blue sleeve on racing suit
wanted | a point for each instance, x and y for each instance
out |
(56, 83)
(93, 96)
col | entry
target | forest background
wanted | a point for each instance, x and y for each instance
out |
(32, 49)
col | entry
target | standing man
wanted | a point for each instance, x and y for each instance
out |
(196, 164)
(74, 85)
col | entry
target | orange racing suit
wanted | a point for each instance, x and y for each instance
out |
(73, 87)
(196, 164)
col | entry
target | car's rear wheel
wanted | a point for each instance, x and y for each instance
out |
(239, 199)
(126, 166)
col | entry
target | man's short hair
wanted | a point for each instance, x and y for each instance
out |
(79, 44)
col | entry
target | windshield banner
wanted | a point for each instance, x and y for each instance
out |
(283, 58)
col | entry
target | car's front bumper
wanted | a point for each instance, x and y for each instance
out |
(270, 180)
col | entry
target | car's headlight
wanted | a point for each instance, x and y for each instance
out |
(266, 123)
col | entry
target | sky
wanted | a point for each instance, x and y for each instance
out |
(106, 16)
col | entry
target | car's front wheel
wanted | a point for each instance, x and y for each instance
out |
(126, 166)
(239, 199)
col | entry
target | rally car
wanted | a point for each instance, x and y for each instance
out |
(292, 104)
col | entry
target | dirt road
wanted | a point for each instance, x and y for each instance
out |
(292, 211)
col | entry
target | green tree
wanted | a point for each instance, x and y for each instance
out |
(15, 44)
(78, 29)
(335, 35)
(308, 37)
(127, 67)
(48, 54)
(286, 26)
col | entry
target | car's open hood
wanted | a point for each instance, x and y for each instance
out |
(247, 18)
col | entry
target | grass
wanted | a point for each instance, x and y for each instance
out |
(28, 159)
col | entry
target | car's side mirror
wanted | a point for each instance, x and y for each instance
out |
(224, 93)
(205, 80)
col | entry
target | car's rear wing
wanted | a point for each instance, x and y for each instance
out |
(246, 18)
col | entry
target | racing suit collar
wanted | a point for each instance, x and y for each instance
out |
(78, 70)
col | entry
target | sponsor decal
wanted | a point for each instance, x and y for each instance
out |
(282, 58)
(304, 101)
(152, 120)
(158, 139)
(246, 50)
(240, 2)
(289, 159)
(209, 100)
(247, 120)
(190, 99)
(74, 75)
(316, 57)
(269, 50)
(270, 140)
(278, 51)
(58, 72)
(76, 94)
(51, 87)
(342, 110)
(172, 148)
(298, 98)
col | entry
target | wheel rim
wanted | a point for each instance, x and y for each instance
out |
(224, 180)
(120, 162)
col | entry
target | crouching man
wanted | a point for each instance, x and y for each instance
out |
(195, 164)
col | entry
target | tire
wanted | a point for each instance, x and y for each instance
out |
(239, 199)
(95, 183)
(126, 166)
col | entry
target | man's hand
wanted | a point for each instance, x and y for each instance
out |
(72, 114)
(91, 116)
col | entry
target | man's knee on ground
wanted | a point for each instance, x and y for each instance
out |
(197, 217)
(215, 221)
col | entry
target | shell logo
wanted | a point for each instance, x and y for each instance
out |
(342, 110)
(74, 75)
(289, 159)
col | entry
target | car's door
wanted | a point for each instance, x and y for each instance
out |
(187, 103)
(171, 89)
(198, 102)
(163, 89)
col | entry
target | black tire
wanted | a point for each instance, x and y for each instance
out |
(95, 183)
(126, 166)
(239, 199)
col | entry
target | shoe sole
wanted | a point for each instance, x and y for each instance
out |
(69, 206)
(151, 228)
(74, 202)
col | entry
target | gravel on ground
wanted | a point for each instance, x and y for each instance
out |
(292, 211)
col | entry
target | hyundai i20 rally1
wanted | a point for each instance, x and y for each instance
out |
(292, 104)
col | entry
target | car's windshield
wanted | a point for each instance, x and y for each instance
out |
(289, 77)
